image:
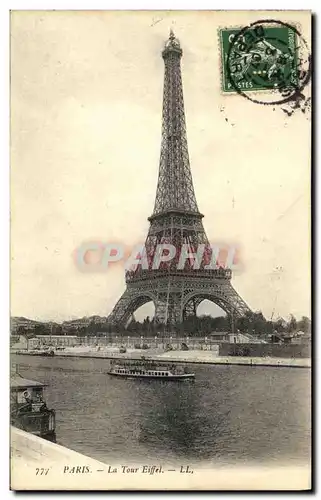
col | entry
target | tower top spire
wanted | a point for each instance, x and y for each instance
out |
(172, 45)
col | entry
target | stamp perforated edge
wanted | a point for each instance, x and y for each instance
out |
(255, 92)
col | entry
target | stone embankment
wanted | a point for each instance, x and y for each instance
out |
(190, 356)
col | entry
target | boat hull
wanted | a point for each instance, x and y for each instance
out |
(185, 376)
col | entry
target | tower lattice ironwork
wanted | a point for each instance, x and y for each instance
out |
(176, 292)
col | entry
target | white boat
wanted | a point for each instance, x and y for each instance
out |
(149, 370)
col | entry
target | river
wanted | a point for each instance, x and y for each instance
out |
(230, 415)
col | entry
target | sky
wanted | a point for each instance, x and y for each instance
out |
(86, 102)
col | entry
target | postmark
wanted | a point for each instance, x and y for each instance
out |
(267, 62)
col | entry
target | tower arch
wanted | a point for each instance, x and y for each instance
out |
(222, 301)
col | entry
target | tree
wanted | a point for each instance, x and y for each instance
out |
(292, 324)
(304, 324)
(41, 329)
(279, 325)
(56, 329)
(253, 323)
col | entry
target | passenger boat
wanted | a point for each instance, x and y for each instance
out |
(41, 352)
(35, 352)
(28, 409)
(149, 370)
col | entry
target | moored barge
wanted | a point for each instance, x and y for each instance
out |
(28, 409)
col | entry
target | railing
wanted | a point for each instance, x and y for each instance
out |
(142, 274)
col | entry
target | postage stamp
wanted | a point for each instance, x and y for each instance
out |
(264, 56)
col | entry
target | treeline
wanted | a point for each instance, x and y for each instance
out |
(252, 323)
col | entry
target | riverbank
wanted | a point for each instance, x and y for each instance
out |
(37, 464)
(191, 356)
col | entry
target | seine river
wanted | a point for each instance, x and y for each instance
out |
(229, 415)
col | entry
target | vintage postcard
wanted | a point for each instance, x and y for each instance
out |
(160, 250)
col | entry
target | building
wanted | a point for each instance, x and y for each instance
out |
(235, 338)
(53, 340)
(219, 336)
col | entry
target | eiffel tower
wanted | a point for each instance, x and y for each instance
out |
(176, 220)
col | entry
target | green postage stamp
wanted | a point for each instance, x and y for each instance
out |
(262, 56)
